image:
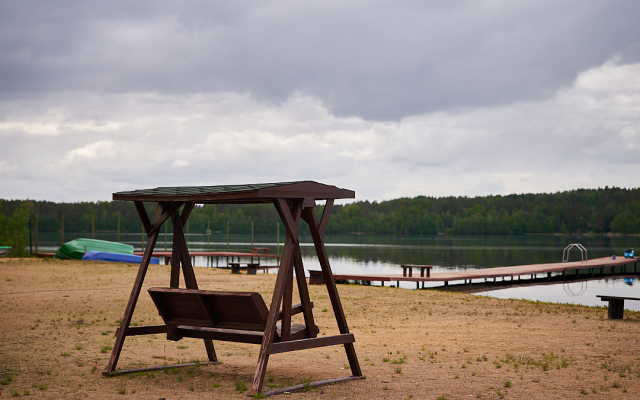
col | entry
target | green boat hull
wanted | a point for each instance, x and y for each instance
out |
(75, 249)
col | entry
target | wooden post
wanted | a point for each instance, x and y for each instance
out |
(30, 236)
(36, 233)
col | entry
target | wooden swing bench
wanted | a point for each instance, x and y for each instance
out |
(238, 316)
(229, 316)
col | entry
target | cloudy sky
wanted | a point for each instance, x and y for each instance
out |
(387, 98)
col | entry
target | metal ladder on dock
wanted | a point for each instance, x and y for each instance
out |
(583, 252)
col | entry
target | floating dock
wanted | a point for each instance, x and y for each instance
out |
(597, 267)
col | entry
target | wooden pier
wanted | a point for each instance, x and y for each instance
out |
(556, 271)
(228, 256)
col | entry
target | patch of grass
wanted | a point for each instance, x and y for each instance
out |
(78, 347)
(507, 384)
(307, 384)
(182, 346)
(65, 354)
(398, 370)
(105, 349)
(241, 387)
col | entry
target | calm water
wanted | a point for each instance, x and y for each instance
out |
(366, 254)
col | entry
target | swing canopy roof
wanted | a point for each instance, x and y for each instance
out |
(232, 194)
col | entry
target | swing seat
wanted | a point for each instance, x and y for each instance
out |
(216, 315)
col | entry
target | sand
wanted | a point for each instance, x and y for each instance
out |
(58, 319)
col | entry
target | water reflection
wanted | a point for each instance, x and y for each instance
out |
(369, 254)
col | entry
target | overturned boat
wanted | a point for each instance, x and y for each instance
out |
(75, 249)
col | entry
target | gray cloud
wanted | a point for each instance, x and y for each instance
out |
(388, 98)
(88, 146)
(377, 60)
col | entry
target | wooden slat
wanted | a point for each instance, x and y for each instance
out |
(186, 211)
(202, 308)
(297, 309)
(228, 335)
(288, 219)
(145, 330)
(324, 220)
(311, 343)
(295, 388)
(605, 297)
(158, 368)
(144, 218)
(168, 210)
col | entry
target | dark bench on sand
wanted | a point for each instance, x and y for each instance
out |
(616, 305)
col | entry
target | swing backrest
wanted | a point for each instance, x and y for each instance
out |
(211, 309)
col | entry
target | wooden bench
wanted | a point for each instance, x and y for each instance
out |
(230, 316)
(410, 267)
(316, 277)
(616, 305)
(252, 268)
(235, 267)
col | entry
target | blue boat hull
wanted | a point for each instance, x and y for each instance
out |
(115, 257)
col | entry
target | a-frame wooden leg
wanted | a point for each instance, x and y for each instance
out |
(286, 262)
(310, 218)
(135, 291)
(181, 255)
(291, 221)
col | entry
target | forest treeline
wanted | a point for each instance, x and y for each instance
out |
(608, 210)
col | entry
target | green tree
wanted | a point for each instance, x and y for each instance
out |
(14, 230)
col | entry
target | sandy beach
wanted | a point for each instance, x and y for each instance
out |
(59, 317)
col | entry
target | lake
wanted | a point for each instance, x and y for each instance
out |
(381, 254)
